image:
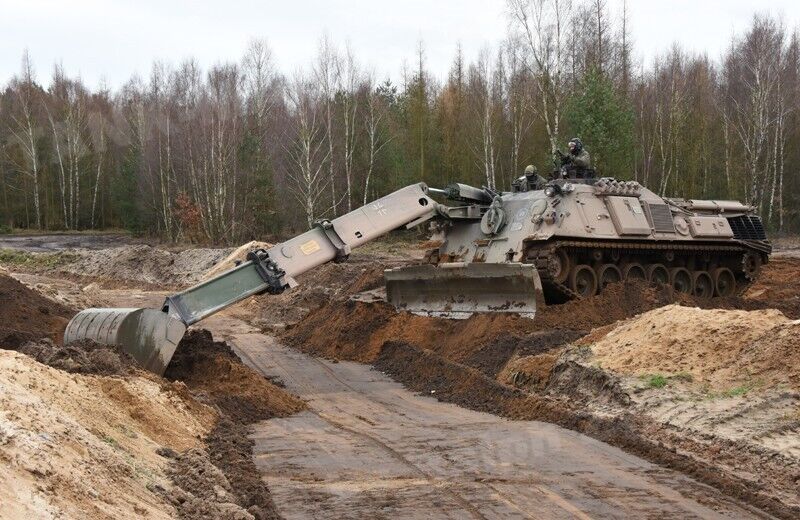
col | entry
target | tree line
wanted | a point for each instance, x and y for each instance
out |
(243, 150)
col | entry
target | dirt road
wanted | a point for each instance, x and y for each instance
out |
(367, 447)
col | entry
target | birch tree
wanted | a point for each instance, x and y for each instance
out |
(541, 24)
(308, 151)
(24, 130)
(485, 87)
(351, 80)
(377, 138)
(328, 75)
(519, 106)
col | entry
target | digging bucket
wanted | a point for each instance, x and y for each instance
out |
(457, 290)
(149, 336)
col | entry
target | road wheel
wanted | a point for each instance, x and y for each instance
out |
(583, 281)
(724, 282)
(703, 284)
(559, 266)
(681, 280)
(606, 274)
(751, 265)
(658, 274)
(634, 272)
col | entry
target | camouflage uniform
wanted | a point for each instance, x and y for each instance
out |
(531, 180)
(581, 160)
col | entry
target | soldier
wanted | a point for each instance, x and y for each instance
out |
(577, 156)
(531, 180)
(577, 162)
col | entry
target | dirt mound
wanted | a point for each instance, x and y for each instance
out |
(81, 357)
(719, 348)
(357, 330)
(211, 369)
(778, 287)
(26, 315)
(145, 265)
(216, 375)
(430, 374)
(78, 446)
(494, 355)
(531, 373)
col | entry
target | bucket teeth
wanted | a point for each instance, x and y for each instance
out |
(458, 290)
(147, 335)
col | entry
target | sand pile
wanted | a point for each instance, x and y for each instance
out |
(717, 347)
(210, 475)
(145, 265)
(26, 315)
(83, 446)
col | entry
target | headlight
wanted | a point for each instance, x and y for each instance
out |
(550, 191)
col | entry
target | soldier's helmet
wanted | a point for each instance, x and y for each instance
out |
(530, 169)
(575, 145)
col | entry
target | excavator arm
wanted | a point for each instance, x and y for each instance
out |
(151, 336)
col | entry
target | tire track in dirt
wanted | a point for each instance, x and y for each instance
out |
(434, 445)
(474, 512)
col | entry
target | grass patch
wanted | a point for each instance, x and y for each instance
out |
(660, 380)
(736, 391)
(26, 259)
(655, 381)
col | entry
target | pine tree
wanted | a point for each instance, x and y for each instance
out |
(604, 122)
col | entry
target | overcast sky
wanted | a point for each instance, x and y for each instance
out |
(109, 40)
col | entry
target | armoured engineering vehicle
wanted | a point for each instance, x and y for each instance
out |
(496, 252)
(582, 234)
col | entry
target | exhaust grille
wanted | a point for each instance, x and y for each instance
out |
(661, 216)
(747, 227)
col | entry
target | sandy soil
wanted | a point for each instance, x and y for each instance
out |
(84, 433)
(85, 446)
(716, 349)
(145, 265)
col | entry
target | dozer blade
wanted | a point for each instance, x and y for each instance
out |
(149, 336)
(457, 290)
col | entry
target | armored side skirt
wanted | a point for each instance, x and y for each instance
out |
(147, 335)
(457, 290)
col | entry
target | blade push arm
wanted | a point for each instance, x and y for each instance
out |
(274, 269)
